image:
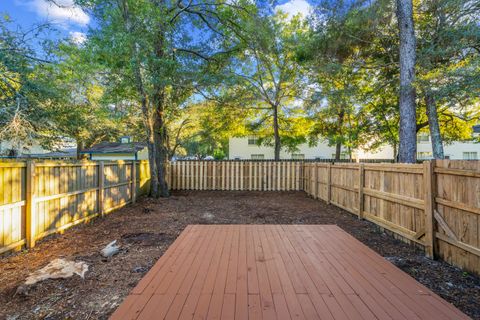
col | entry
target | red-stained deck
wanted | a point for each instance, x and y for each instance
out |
(278, 272)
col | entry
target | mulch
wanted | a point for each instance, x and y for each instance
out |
(146, 229)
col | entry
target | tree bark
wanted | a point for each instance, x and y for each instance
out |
(338, 146)
(338, 150)
(80, 148)
(161, 151)
(408, 140)
(276, 133)
(151, 160)
(434, 126)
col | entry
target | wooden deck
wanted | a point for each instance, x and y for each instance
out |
(278, 272)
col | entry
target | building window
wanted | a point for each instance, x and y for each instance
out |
(470, 155)
(423, 138)
(252, 141)
(298, 156)
(424, 155)
(257, 157)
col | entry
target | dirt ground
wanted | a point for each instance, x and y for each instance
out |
(148, 227)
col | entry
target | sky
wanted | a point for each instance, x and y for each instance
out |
(71, 21)
(68, 20)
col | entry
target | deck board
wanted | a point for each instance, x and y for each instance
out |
(277, 272)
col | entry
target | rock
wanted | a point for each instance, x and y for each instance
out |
(56, 269)
(208, 216)
(110, 250)
(139, 269)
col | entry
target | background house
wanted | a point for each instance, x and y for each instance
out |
(458, 150)
(247, 148)
(69, 153)
(123, 150)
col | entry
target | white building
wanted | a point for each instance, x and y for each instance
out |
(247, 148)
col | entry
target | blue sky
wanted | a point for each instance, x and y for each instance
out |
(73, 22)
(68, 20)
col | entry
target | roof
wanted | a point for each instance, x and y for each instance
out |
(116, 147)
(64, 153)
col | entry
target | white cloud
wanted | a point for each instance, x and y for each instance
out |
(62, 11)
(294, 7)
(78, 37)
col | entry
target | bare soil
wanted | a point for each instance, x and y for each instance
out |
(147, 228)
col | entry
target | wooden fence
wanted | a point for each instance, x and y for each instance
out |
(236, 175)
(435, 204)
(40, 198)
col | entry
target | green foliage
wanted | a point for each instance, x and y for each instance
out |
(266, 79)
(449, 63)
(352, 56)
(23, 93)
(188, 76)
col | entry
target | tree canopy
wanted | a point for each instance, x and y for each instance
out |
(185, 76)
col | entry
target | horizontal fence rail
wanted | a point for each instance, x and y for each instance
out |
(435, 204)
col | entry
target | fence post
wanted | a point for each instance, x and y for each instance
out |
(315, 181)
(361, 182)
(101, 186)
(329, 182)
(429, 199)
(30, 204)
(134, 181)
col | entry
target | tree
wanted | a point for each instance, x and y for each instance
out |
(331, 53)
(80, 107)
(22, 91)
(448, 57)
(268, 76)
(407, 105)
(148, 47)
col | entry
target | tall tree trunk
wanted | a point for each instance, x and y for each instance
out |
(145, 104)
(161, 158)
(338, 150)
(432, 114)
(276, 133)
(159, 125)
(408, 141)
(338, 146)
(80, 148)
(151, 160)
